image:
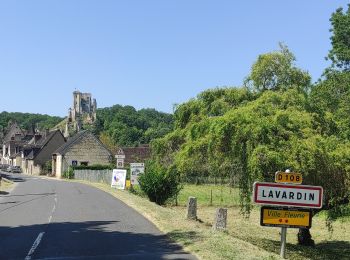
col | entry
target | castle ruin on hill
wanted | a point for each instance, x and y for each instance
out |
(83, 111)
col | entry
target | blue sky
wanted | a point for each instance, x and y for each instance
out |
(147, 53)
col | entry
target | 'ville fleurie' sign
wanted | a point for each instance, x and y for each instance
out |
(288, 195)
(291, 218)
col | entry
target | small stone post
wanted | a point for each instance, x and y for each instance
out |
(192, 208)
(220, 219)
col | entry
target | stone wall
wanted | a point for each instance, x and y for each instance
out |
(33, 169)
(57, 166)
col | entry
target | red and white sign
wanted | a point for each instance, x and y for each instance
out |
(302, 196)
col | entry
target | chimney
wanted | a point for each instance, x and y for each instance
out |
(32, 129)
(37, 137)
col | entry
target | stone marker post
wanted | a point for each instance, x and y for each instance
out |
(192, 208)
(220, 219)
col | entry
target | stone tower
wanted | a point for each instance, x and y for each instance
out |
(83, 111)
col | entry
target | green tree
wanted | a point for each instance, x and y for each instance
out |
(340, 39)
(276, 71)
(253, 139)
(125, 126)
(330, 99)
(28, 120)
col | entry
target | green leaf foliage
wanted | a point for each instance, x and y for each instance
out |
(27, 120)
(340, 51)
(276, 71)
(94, 167)
(330, 100)
(125, 126)
(159, 183)
(253, 138)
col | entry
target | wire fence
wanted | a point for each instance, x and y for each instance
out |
(231, 181)
(209, 190)
(101, 176)
(105, 176)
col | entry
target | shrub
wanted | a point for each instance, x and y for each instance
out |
(47, 168)
(94, 167)
(69, 174)
(159, 183)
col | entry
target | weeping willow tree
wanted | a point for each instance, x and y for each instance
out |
(255, 131)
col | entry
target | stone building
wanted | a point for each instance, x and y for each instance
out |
(83, 111)
(13, 143)
(138, 154)
(38, 151)
(82, 149)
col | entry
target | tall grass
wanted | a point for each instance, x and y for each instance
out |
(208, 195)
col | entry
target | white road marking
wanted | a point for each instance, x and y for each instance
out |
(40, 236)
(53, 209)
(35, 245)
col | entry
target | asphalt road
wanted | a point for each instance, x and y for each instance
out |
(50, 219)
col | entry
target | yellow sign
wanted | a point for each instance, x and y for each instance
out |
(292, 218)
(288, 177)
(127, 184)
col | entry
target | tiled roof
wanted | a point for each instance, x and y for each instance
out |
(71, 141)
(42, 141)
(32, 149)
(135, 154)
(12, 131)
(64, 148)
(45, 139)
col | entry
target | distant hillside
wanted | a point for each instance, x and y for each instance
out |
(27, 120)
(116, 125)
(126, 126)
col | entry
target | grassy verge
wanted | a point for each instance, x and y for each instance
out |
(6, 185)
(244, 238)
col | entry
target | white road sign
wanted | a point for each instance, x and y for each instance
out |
(135, 170)
(302, 196)
(120, 163)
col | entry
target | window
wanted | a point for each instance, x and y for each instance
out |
(84, 163)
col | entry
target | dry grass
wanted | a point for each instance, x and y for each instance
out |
(6, 185)
(244, 238)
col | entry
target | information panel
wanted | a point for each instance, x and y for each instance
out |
(135, 170)
(291, 218)
(118, 179)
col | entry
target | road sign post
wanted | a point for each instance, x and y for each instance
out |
(283, 242)
(295, 200)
